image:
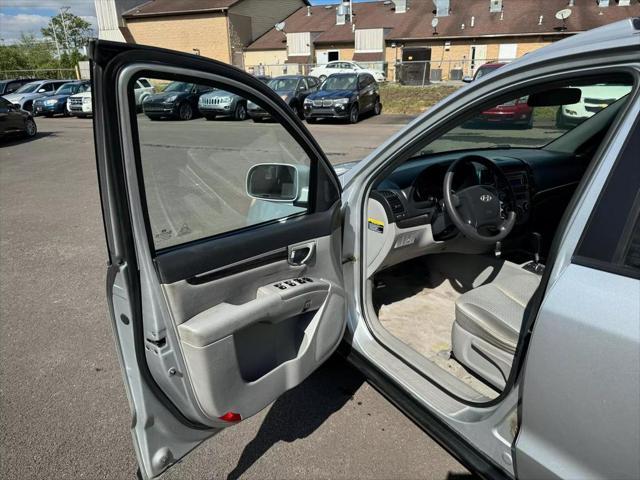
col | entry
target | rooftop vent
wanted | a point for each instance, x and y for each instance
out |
(401, 6)
(442, 8)
(343, 13)
(495, 6)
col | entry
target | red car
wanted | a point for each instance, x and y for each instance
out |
(516, 112)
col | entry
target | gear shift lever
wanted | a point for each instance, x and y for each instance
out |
(535, 266)
(537, 246)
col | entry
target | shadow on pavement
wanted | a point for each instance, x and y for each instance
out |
(17, 140)
(461, 476)
(299, 412)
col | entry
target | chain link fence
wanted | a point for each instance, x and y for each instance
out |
(40, 73)
(417, 73)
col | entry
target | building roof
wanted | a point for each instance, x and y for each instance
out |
(154, 8)
(165, 8)
(519, 17)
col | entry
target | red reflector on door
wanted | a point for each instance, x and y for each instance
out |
(231, 417)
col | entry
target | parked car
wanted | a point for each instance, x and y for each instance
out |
(593, 99)
(483, 70)
(79, 105)
(179, 100)
(56, 104)
(344, 95)
(15, 122)
(218, 103)
(293, 89)
(10, 86)
(342, 66)
(515, 113)
(236, 270)
(142, 90)
(26, 94)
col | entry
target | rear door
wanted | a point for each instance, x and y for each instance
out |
(581, 387)
(224, 279)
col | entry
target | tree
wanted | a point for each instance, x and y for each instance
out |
(68, 30)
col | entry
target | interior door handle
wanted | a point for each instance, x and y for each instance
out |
(301, 254)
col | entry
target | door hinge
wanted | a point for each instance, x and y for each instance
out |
(348, 260)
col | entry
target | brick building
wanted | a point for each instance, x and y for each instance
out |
(218, 29)
(468, 33)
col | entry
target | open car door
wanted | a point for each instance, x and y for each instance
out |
(224, 279)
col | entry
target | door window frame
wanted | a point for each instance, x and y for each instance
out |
(432, 132)
(131, 142)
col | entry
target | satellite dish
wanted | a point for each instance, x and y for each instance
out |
(280, 26)
(434, 22)
(563, 14)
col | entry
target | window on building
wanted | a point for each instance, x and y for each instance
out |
(370, 40)
(508, 52)
(299, 44)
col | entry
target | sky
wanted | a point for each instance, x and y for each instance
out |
(29, 16)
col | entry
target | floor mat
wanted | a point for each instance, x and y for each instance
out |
(418, 308)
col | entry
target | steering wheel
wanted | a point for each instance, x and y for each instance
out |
(478, 208)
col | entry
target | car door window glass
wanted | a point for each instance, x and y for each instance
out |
(611, 240)
(195, 171)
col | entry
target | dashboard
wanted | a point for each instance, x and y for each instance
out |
(407, 217)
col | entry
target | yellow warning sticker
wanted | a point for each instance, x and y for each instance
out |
(376, 225)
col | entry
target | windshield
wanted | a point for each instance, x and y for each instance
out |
(515, 124)
(178, 87)
(340, 82)
(28, 88)
(68, 89)
(283, 84)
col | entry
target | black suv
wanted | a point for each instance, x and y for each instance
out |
(178, 100)
(293, 89)
(344, 95)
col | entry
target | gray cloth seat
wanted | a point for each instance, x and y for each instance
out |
(488, 321)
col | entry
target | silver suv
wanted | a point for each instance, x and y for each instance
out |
(484, 277)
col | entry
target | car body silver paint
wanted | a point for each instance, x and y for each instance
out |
(581, 380)
(581, 387)
(587, 53)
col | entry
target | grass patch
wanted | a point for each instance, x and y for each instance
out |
(412, 100)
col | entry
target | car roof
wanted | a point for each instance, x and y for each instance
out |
(288, 76)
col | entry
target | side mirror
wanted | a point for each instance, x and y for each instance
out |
(467, 79)
(277, 182)
(42, 90)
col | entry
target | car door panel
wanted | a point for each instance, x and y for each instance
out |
(205, 325)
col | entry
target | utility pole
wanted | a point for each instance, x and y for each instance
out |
(63, 19)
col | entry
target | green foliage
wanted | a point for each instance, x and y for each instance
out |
(70, 31)
(31, 53)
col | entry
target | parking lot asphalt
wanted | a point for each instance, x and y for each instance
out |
(64, 412)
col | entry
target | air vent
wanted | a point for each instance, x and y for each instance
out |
(393, 199)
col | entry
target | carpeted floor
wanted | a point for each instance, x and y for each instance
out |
(416, 304)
